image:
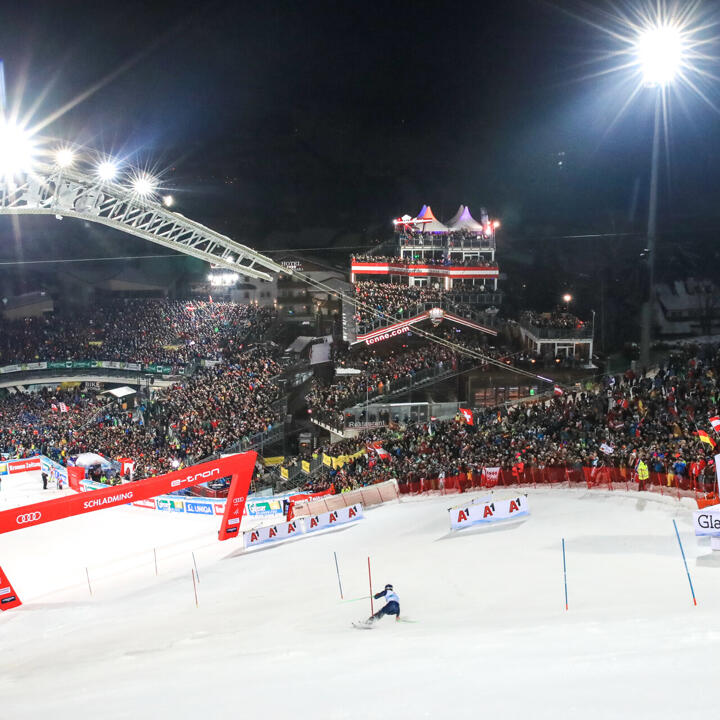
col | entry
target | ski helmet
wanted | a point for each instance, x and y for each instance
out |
(388, 587)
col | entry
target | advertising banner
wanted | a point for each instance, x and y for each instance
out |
(264, 508)
(149, 504)
(18, 466)
(239, 467)
(488, 512)
(198, 508)
(334, 517)
(8, 597)
(237, 495)
(272, 533)
(707, 521)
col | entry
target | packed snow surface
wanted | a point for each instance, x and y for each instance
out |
(271, 638)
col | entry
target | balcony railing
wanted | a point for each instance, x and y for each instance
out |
(558, 333)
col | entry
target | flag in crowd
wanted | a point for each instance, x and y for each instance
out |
(63, 407)
(715, 422)
(705, 438)
(557, 390)
(467, 416)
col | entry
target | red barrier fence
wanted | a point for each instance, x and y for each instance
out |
(604, 478)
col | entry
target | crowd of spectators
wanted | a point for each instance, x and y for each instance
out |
(557, 320)
(444, 261)
(398, 302)
(650, 417)
(217, 406)
(149, 331)
(379, 375)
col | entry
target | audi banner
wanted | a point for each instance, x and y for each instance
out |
(8, 597)
(239, 467)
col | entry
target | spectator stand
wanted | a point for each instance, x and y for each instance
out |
(557, 335)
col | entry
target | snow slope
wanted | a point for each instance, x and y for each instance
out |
(272, 639)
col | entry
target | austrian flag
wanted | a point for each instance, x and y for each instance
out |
(715, 422)
(557, 391)
(467, 416)
(704, 437)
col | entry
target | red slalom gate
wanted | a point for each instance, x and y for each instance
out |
(239, 467)
(8, 597)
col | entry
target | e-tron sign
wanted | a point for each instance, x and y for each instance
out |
(239, 467)
(435, 315)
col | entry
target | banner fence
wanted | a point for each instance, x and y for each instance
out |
(603, 478)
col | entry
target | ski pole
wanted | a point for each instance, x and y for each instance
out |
(337, 570)
(565, 573)
(692, 590)
(372, 609)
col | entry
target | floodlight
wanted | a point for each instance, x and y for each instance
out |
(168, 200)
(567, 297)
(17, 149)
(107, 170)
(660, 52)
(64, 157)
(144, 184)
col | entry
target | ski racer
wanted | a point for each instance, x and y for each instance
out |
(391, 607)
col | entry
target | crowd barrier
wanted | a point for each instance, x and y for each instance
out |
(605, 478)
(366, 496)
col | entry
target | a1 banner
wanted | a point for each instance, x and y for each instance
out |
(334, 517)
(239, 467)
(272, 533)
(487, 512)
(8, 596)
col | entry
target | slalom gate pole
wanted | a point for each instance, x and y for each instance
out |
(692, 590)
(87, 575)
(194, 587)
(372, 609)
(337, 570)
(565, 573)
(155, 556)
(197, 574)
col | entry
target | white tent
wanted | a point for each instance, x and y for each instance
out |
(455, 217)
(463, 220)
(428, 223)
(87, 460)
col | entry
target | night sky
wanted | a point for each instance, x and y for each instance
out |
(270, 117)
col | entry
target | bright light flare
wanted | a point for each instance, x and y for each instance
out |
(168, 200)
(107, 170)
(567, 297)
(17, 150)
(64, 157)
(660, 53)
(144, 184)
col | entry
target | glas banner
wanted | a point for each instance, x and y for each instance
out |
(8, 597)
(239, 467)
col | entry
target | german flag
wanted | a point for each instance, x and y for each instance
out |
(704, 437)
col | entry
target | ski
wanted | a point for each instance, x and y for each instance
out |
(363, 625)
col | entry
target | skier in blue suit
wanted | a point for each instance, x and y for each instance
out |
(391, 607)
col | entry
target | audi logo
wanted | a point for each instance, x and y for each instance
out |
(28, 518)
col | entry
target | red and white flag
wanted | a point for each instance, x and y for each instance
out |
(557, 391)
(715, 422)
(54, 407)
(63, 407)
(380, 451)
(467, 416)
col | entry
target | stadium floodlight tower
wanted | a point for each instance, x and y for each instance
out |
(660, 55)
(68, 183)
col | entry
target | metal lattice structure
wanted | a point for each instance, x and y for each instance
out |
(51, 190)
